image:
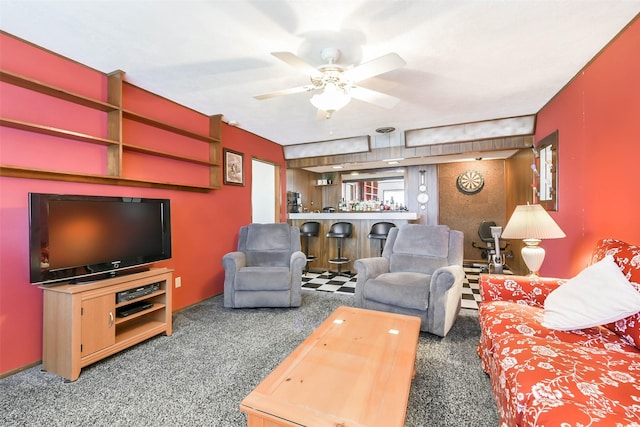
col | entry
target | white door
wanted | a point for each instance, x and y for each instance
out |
(264, 200)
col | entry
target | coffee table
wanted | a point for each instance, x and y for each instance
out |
(355, 369)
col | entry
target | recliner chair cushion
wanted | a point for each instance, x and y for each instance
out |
(268, 245)
(416, 264)
(402, 289)
(420, 249)
(268, 258)
(269, 237)
(263, 279)
(417, 239)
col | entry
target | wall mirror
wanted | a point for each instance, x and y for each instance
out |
(382, 185)
(548, 170)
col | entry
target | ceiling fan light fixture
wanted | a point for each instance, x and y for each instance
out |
(337, 82)
(331, 99)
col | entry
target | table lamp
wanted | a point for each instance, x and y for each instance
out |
(532, 224)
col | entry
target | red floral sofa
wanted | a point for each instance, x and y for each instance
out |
(547, 377)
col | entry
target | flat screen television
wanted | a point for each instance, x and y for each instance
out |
(75, 238)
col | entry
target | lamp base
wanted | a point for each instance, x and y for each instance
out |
(533, 255)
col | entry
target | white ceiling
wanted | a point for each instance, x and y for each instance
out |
(466, 60)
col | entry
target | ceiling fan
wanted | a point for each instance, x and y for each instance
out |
(337, 82)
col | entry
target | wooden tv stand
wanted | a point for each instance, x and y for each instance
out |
(80, 325)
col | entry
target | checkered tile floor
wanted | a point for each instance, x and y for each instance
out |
(330, 282)
(470, 288)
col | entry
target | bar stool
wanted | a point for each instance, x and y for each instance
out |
(380, 230)
(340, 231)
(307, 230)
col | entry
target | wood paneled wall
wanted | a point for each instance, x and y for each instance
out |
(507, 184)
(519, 177)
(465, 212)
(303, 182)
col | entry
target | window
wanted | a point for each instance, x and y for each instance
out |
(548, 172)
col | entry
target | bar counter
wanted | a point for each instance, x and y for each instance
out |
(355, 247)
(358, 215)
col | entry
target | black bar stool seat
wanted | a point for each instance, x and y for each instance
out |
(380, 231)
(340, 231)
(307, 230)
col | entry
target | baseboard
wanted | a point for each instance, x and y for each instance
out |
(20, 369)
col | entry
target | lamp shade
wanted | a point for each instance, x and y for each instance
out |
(531, 222)
(331, 99)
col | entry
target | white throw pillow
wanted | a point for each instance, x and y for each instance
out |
(598, 295)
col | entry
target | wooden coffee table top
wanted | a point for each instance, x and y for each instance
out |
(355, 369)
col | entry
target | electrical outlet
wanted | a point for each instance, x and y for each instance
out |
(178, 282)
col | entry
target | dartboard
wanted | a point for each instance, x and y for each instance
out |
(470, 182)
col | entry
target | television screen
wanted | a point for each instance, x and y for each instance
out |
(74, 237)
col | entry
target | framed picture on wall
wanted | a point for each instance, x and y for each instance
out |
(233, 167)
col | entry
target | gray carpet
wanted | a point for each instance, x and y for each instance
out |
(216, 356)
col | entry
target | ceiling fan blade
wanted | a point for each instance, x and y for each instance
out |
(297, 63)
(380, 65)
(283, 92)
(373, 97)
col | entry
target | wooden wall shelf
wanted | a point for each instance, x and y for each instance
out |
(56, 92)
(33, 173)
(159, 153)
(169, 128)
(116, 120)
(52, 131)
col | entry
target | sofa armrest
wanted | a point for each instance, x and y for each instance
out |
(445, 293)
(530, 290)
(368, 268)
(297, 263)
(445, 277)
(232, 262)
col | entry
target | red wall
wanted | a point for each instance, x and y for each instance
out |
(598, 118)
(204, 225)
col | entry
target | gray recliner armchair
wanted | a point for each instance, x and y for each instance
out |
(419, 274)
(266, 270)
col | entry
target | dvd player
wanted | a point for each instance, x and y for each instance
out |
(134, 293)
(134, 307)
